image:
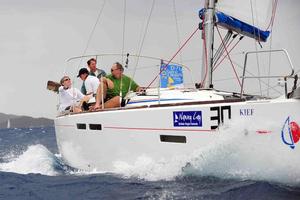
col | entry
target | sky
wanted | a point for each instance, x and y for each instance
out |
(37, 37)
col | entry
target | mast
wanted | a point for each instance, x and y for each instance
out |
(209, 40)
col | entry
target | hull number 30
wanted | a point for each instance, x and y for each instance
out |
(220, 114)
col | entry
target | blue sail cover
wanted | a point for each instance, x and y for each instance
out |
(238, 26)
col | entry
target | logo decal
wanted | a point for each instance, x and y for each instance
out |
(246, 112)
(290, 133)
(187, 118)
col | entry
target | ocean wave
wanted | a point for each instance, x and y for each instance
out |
(36, 159)
(238, 152)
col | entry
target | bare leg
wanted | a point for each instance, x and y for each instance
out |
(77, 109)
(113, 103)
(100, 93)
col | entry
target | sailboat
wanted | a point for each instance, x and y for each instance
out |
(163, 123)
(8, 123)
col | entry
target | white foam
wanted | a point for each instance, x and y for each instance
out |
(238, 152)
(236, 155)
(36, 159)
(149, 169)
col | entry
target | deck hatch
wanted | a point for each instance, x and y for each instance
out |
(173, 138)
(81, 126)
(95, 127)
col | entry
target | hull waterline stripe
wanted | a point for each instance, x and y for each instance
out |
(158, 129)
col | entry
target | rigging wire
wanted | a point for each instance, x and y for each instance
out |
(229, 57)
(271, 38)
(219, 61)
(182, 46)
(225, 56)
(221, 50)
(252, 74)
(177, 30)
(255, 44)
(224, 79)
(123, 43)
(88, 41)
(142, 42)
(274, 8)
(92, 32)
(123, 32)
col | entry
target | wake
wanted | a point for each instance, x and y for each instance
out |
(237, 153)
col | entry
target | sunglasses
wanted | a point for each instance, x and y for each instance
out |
(67, 79)
(114, 70)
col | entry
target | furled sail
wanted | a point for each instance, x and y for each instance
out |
(248, 17)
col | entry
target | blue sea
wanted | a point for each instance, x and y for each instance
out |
(31, 168)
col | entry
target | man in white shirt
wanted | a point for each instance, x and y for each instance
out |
(69, 98)
(91, 83)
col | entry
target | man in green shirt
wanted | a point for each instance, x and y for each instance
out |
(115, 89)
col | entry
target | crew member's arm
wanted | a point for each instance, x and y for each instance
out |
(109, 83)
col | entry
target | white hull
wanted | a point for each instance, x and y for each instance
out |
(130, 133)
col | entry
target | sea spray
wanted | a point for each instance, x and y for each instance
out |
(36, 159)
(238, 152)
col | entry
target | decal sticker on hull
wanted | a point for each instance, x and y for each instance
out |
(187, 118)
(220, 113)
(245, 112)
(290, 133)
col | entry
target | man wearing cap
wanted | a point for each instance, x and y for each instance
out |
(90, 83)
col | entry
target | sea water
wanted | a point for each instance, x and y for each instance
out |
(232, 168)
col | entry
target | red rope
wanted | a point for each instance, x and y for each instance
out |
(229, 58)
(218, 64)
(274, 8)
(163, 69)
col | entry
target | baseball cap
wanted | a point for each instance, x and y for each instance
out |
(82, 71)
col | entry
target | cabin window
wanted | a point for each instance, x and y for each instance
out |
(95, 127)
(173, 138)
(81, 126)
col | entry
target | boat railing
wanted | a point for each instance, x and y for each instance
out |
(285, 77)
(138, 67)
(137, 63)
